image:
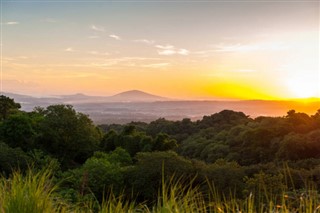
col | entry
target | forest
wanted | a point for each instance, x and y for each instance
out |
(225, 162)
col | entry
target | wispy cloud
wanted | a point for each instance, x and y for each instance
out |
(125, 61)
(145, 41)
(98, 53)
(69, 49)
(183, 52)
(89, 62)
(12, 23)
(97, 28)
(171, 50)
(251, 47)
(156, 65)
(204, 53)
(104, 64)
(166, 52)
(115, 37)
(165, 47)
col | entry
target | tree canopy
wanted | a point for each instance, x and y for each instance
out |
(7, 106)
(229, 150)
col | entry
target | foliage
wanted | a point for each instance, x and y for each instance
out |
(12, 159)
(145, 176)
(17, 131)
(7, 107)
(225, 176)
(99, 174)
(40, 161)
(223, 120)
(68, 135)
(134, 141)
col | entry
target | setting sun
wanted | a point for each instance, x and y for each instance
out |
(303, 86)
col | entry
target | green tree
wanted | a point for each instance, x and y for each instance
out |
(17, 131)
(146, 144)
(109, 140)
(293, 147)
(256, 146)
(296, 146)
(145, 176)
(266, 186)
(161, 125)
(316, 118)
(12, 159)
(225, 176)
(118, 157)
(129, 139)
(7, 106)
(225, 119)
(100, 174)
(163, 143)
(68, 135)
(41, 160)
(300, 122)
(134, 141)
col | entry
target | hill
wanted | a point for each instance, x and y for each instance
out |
(136, 96)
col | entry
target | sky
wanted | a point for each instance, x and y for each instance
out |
(179, 49)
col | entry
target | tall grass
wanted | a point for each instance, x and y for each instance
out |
(177, 195)
(119, 205)
(34, 192)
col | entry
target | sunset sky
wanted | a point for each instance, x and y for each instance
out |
(178, 49)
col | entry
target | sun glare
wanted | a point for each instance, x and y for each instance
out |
(303, 87)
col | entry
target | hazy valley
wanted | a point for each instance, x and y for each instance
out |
(136, 105)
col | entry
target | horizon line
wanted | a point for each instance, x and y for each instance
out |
(169, 99)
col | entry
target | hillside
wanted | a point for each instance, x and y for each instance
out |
(136, 96)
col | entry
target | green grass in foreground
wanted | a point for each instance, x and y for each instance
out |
(34, 192)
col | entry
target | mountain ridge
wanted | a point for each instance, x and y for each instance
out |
(136, 95)
(126, 96)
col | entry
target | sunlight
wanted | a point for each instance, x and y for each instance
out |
(303, 86)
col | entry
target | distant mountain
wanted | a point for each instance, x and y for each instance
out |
(78, 98)
(127, 96)
(136, 96)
